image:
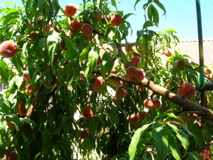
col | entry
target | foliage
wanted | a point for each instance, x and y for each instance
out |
(63, 65)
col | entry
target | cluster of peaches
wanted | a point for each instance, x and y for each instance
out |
(9, 49)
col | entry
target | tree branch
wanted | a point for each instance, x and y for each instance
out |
(181, 101)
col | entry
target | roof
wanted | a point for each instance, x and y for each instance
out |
(191, 48)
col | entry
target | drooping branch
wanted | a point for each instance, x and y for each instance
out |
(181, 101)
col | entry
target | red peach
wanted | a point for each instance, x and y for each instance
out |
(70, 10)
(152, 104)
(13, 156)
(121, 93)
(27, 77)
(75, 25)
(47, 28)
(116, 20)
(205, 154)
(167, 52)
(98, 16)
(186, 90)
(84, 134)
(134, 74)
(207, 71)
(8, 49)
(86, 29)
(142, 115)
(30, 90)
(180, 64)
(133, 118)
(96, 86)
(88, 113)
(135, 61)
(136, 54)
(21, 109)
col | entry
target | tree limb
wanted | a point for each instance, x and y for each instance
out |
(181, 101)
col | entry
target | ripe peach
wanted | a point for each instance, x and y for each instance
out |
(137, 124)
(84, 134)
(193, 115)
(21, 109)
(96, 86)
(121, 93)
(75, 25)
(115, 83)
(133, 118)
(206, 154)
(116, 20)
(207, 71)
(23, 84)
(10, 124)
(33, 36)
(134, 74)
(140, 88)
(180, 64)
(27, 77)
(30, 90)
(52, 84)
(47, 28)
(97, 16)
(186, 90)
(152, 104)
(136, 54)
(142, 115)
(88, 113)
(86, 29)
(70, 10)
(8, 49)
(167, 52)
(135, 61)
(13, 156)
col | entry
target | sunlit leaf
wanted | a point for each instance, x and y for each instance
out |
(160, 140)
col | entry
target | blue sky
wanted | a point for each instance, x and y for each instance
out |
(180, 16)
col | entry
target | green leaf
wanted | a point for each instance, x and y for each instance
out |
(194, 155)
(85, 51)
(92, 60)
(4, 72)
(136, 4)
(72, 49)
(107, 63)
(135, 139)
(16, 60)
(153, 14)
(173, 146)
(160, 5)
(52, 45)
(161, 141)
(184, 139)
(148, 24)
(30, 122)
(113, 3)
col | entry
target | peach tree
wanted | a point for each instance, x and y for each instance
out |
(77, 88)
